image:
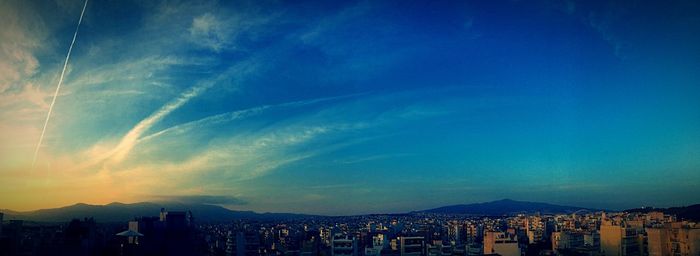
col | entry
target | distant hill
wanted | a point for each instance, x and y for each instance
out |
(118, 212)
(691, 212)
(505, 207)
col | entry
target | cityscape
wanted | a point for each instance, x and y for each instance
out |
(350, 128)
(644, 231)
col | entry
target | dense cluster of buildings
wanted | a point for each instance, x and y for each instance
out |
(176, 233)
(583, 233)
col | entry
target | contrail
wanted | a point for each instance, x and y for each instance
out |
(58, 87)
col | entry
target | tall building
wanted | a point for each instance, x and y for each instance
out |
(162, 214)
(659, 241)
(673, 239)
(619, 240)
(325, 235)
(247, 243)
(566, 240)
(592, 239)
(176, 220)
(456, 233)
(439, 250)
(343, 245)
(134, 226)
(377, 245)
(168, 233)
(473, 232)
(412, 245)
(242, 243)
(231, 244)
(534, 229)
(501, 243)
(310, 242)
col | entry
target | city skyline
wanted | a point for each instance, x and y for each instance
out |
(350, 108)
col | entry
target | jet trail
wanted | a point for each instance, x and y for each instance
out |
(58, 87)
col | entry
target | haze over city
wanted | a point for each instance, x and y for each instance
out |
(345, 107)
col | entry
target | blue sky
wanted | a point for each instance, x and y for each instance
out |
(351, 107)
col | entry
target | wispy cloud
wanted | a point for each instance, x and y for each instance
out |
(239, 114)
(131, 72)
(220, 31)
(23, 101)
(130, 139)
(247, 157)
(355, 160)
(252, 154)
(314, 35)
(22, 34)
(209, 32)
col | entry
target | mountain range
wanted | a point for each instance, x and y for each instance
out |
(505, 207)
(119, 212)
(691, 212)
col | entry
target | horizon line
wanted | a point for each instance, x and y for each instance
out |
(331, 215)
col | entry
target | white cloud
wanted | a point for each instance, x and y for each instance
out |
(208, 31)
(22, 33)
(248, 156)
(22, 100)
(134, 71)
(327, 25)
(130, 139)
(354, 160)
(19, 38)
(111, 160)
(236, 115)
(220, 31)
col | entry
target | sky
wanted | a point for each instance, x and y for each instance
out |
(343, 107)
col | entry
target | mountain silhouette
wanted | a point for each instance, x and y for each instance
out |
(119, 212)
(505, 207)
(690, 212)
